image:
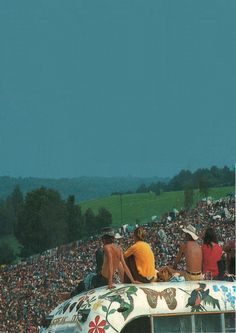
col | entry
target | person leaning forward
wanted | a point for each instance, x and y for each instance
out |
(192, 252)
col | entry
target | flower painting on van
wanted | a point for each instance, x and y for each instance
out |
(227, 295)
(97, 326)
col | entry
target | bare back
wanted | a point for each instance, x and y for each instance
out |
(193, 256)
(112, 257)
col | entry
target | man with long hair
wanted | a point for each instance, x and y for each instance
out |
(140, 258)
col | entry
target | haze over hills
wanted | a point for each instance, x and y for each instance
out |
(87, 188)
(83, 188)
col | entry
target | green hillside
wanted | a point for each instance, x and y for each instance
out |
(131, 208)
(135, 207)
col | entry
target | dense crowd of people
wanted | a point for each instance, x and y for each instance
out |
(31, 289)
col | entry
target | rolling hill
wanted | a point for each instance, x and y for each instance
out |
(133, 208)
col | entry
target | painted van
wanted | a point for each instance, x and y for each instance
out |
(204, 306)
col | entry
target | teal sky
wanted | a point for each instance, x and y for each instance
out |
(116, 87)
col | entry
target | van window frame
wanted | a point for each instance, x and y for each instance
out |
(193, 316)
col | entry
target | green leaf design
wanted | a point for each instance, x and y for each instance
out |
(106, 327)
(129, 308)
(132, 290)
(104, 308)
(116, 298)
(109, 293)
(112, 293)
(117, 295)
(130, 298)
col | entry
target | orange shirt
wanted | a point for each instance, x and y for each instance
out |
(144, 258)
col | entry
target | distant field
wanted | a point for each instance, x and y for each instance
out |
(132, 208)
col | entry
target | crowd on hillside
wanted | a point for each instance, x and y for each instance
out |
(31, 289)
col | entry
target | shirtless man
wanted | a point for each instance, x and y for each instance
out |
(192, 252)
(113, 259)
(109, 259)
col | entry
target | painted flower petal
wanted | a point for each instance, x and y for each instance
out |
(97, 319)
(102, 323)
(101, 330)
(215, 288)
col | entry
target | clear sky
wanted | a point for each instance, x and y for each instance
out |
(116, 87)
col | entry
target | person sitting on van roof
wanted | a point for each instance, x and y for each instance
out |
(113, 260)
(140, 258)
(229, 249)
(192, 252)
(109, 259)
(211, 252)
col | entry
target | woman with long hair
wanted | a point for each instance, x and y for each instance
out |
(212, 253)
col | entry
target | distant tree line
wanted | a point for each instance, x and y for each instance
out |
(201, 179)
(43, 220)
(83, 188)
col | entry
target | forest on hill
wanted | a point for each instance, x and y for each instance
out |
(43, 218)
(83, 188)
(201, 179)
(87, 188)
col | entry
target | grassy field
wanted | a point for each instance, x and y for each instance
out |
(132, 208)
(135, 207)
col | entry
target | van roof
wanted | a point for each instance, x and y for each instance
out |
(112, 309)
